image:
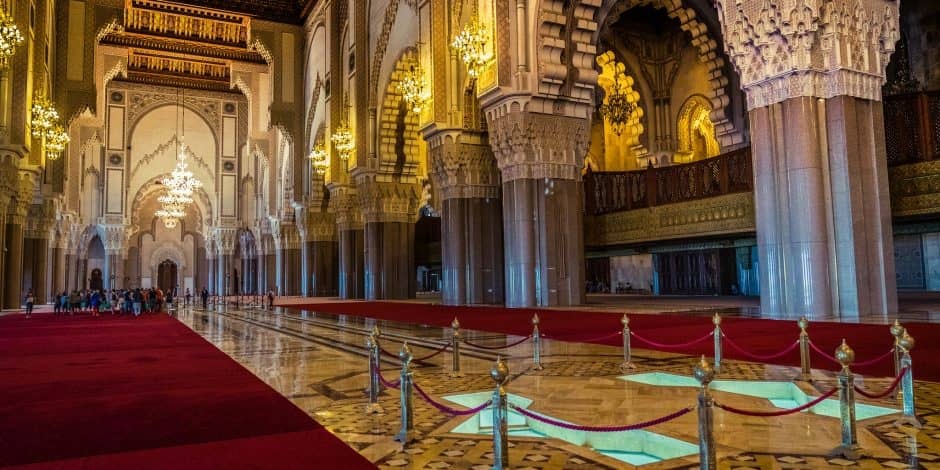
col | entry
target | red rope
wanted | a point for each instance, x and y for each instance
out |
(578, 427)
(447, 409)
(875, 360)
(891, 388)
(585, 340)
(671, 346)
(781, 412)
(759, 357)
(388, 384)
(493, 348)
(417, 359)
(823, 353)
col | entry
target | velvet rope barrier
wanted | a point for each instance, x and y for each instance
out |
(584, 340)
(894, 385)
(790, 411)
(855, 364)
(388, 384)
(446, 409)
(672, 346)
(758, 357)
(578, 427)
(418, 359)
(493, 348)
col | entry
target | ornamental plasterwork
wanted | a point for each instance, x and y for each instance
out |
(535, 146)
(344, 205)
(320, 227)
(462, 166)
(171, 146)
(389, 202)
(821, 48)
(915, 188)
(722, 215)
(391, 11)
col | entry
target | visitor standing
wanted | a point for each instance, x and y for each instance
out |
(30, 300)
(270, 300)
(205, 298)
(189, 297)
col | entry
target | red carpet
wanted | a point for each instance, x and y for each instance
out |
(756, 336)
(82, 392)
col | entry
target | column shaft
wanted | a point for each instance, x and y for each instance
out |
(351, 264)
(13, 271)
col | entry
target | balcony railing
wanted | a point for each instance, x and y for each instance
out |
(728, 173)
(912, 127)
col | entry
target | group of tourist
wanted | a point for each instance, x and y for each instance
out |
(115, 301)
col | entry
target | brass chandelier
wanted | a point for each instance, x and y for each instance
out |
(319, 159)
(44, 123)
(412, 89)
(180, 185)
(10, 38)
(470, 45)
(342, 137)
(619, 105)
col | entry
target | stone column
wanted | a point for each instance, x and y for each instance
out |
(211, 267)
(4, 207)
(821, 189)
(40, 266)
(540, 157)
(344, 204)
(225, 242)
(321, 256)
(13, 269)
(390, 211)
(466, 178)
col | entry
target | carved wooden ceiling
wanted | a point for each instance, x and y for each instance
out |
(281, 11)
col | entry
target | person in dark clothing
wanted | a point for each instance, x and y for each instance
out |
(30, 301)
(270, 300)
(205, 298)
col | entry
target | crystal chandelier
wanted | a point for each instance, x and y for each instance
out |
(44, 116)
(10, 38)
(412, 89)
(618, 106)
(56, 140)
(343, 141)
(318, 158)
(470, 44)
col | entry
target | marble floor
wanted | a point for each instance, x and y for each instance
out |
(319, 362)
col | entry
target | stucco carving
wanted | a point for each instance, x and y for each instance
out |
(462, 165)
(820, 48)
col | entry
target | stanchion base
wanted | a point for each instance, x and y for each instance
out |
(850, 452)
(456, 374)
(804, 378)
(627, 366)
(406, 436)
(374, 408)
(537, 367)
(912, 421)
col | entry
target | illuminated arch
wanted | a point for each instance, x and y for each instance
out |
(695, 131)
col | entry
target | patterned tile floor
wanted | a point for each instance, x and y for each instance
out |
(318, 362)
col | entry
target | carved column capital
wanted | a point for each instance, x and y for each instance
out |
(387, 201)
(225, 240)
(820, 48)
(462, 164)
(533, 145)
(320, 227)
(344, 205)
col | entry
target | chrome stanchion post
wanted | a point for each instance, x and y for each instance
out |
(849, 448)
(716, 320)
(806, 371)
(500, 374)
(372, 343)
(455, 348)
(537, 344)
(905, 344)
(627, 353)
(704, 373)
(407, 432)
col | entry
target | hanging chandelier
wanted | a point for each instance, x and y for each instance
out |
(470, 45)
(619, 105)
(342, 139)
(180, 186)
(43, 117)
(319, 159)
(412, 89)
(56, 140)
(10, 38)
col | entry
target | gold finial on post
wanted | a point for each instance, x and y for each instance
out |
(909, 417)
(500, 375)
(806, 372)
(716, 320)
(849, 448)
(704, 373)
(455, 349)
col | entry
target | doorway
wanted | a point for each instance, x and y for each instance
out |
(96, 282)
(167, 276)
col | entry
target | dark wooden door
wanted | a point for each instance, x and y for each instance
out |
(166, 276)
